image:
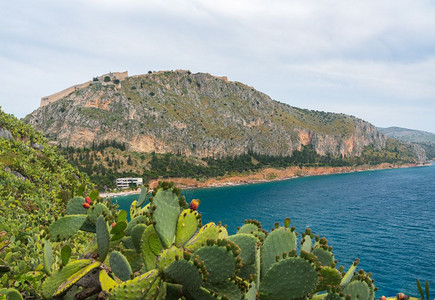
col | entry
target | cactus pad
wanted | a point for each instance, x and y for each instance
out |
(66, 227)
(349, 274)
(357, 290)
(219, 262)
(151, 247)
(136, 236)
(325, 257)
(103, 238)
(64, 286)
(167, 256)
(208, 231)
(54, 281)
(74, 206)
(120, 266)
(134, 222)
(97, 210)
(306, 244)
(281, 240)
(47, 257)
(290, 278)
(227, 288)
(167, 209)
(248, 228)
(328, 277)
(106, 282)
(187, 225)
(145, 286)
(185, 273)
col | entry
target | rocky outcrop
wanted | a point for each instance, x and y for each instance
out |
(197, 115)
(6, 134)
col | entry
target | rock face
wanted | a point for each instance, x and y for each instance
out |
(197, 115)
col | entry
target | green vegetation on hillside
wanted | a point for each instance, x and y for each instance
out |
(35, 183)
(108, 161)
(422, 138)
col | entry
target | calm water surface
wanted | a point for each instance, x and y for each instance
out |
(386, 218)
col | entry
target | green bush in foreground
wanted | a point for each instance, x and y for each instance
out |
(165, 252)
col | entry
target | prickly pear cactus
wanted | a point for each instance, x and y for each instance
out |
(164, 252)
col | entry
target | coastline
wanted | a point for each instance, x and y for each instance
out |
(265, 175)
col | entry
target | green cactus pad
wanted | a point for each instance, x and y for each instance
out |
(106, 282)
(103, 238)
(325, 257)
(252, 293)
(122, 216)
(134, 222)
(128, 242)
(333, 296)
(151, 247)
(75, 206)
(281, 240)
(167, 256)
(97, 210)
(94, 195)
(248, 228)
(166, 215)
(120, 266)
(136, 235)
(248, 246)
(88, 226)
(349, 274)
(10, 294)
(290, 278)
(329, 277)
(142, 196)
(219, 262)
(185, 273)
(63, 288)
(65, 254)
(162, 292)
(187, 225)
(47, 257)
(226, 288)
(136, 211)
(145, 286)
(51, 284)
(173, 291)
(306, 244)
(223, 233)
(357, 290)
(65, 227)
(134, 259)
(208, 231)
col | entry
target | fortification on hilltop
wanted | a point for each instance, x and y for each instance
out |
(105, 79)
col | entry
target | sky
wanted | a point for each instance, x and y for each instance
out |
(371, 59)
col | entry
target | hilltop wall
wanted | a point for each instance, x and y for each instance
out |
(59, 95)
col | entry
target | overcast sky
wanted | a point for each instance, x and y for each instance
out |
(372, 59)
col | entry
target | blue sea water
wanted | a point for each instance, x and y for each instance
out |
(386, 218)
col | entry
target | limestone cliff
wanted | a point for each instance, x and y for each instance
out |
(197, 115)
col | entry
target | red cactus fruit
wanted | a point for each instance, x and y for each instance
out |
(383, 298)
(401, 296)
(113, 224)
(194, 204)
(86, 205)
(88, 200)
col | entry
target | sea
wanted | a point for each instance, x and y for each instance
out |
(386, 218)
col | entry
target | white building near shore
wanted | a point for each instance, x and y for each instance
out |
(123, 183)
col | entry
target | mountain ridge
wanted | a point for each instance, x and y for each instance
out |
(197, 115)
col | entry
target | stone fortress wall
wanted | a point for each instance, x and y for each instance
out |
(59, 95)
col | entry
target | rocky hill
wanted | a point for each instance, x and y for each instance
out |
(197, 115)
(424, 139)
